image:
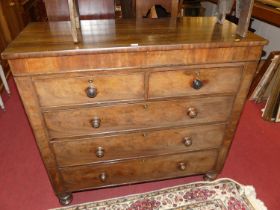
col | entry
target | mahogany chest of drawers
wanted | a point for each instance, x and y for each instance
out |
(135, 100)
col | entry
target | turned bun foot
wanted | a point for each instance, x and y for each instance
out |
(65, 199)
(210, 176)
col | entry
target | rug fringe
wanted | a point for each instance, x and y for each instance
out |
(250, 193)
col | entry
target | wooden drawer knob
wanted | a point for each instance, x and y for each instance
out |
(100, 152)
(182, 166)
(91, 91)
(192, 112)
(96, 122)
(187, 141)
(197, 84)
(103, 177)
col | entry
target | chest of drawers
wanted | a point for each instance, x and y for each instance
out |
(135, 101)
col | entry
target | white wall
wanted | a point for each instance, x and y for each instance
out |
(268, 31)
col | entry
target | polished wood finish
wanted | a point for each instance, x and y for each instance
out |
(11, 13)
(138, 170)
(54, 40)
(266, 13)
(115, 118)
(11, 24)
(180, 83)
(57, 10)
(13, 18)
(64, 90)
(128, 9)
(71, 152)
(107, 113)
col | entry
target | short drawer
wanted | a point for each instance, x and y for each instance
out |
(100, 120)
(59, 91)
(138, 170)
(181, 82)
(93, 150)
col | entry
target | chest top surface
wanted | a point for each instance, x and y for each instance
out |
(126, 35)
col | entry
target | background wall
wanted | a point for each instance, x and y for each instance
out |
(268, 31)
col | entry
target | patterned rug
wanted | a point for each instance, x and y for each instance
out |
(222, 194)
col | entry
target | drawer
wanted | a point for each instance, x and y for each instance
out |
(93, 150)
(124, 117)
(180, 82)
(66, 90)
(138, 170)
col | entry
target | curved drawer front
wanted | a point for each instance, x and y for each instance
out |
(138, 170)
(93, 150)
(61, 91)
(125, 117)
(180, 82)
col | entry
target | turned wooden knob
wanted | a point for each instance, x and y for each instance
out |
(96, 122)
(91, 91)
(192, 112)
(197, 84)
(182, 166)
(187, 141)
(100, 152)
(103, 177)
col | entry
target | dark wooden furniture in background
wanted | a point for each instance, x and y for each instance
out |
(128, 8)
(129, 105)
(14, 16)
(266, 13)
(58, 10)
(33, 11)
(191, 8)
(263, 12)
(11, 23)
(142, 6)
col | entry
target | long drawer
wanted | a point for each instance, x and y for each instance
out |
(138, 170)
(69, 90)
(181, 82)
(124, 117)
(93, 150)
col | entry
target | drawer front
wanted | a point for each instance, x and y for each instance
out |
(92, 150)
(180, 82)
(73, 90)
(125, 117)
(138, 170)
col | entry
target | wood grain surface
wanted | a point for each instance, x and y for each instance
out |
(71, 152)
(57, 10)
(139, 170)
(72, 90)
(179, 83)
(135, 128)
(77, 122)
(54, 38)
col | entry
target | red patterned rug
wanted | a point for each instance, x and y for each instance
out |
(222, 194)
